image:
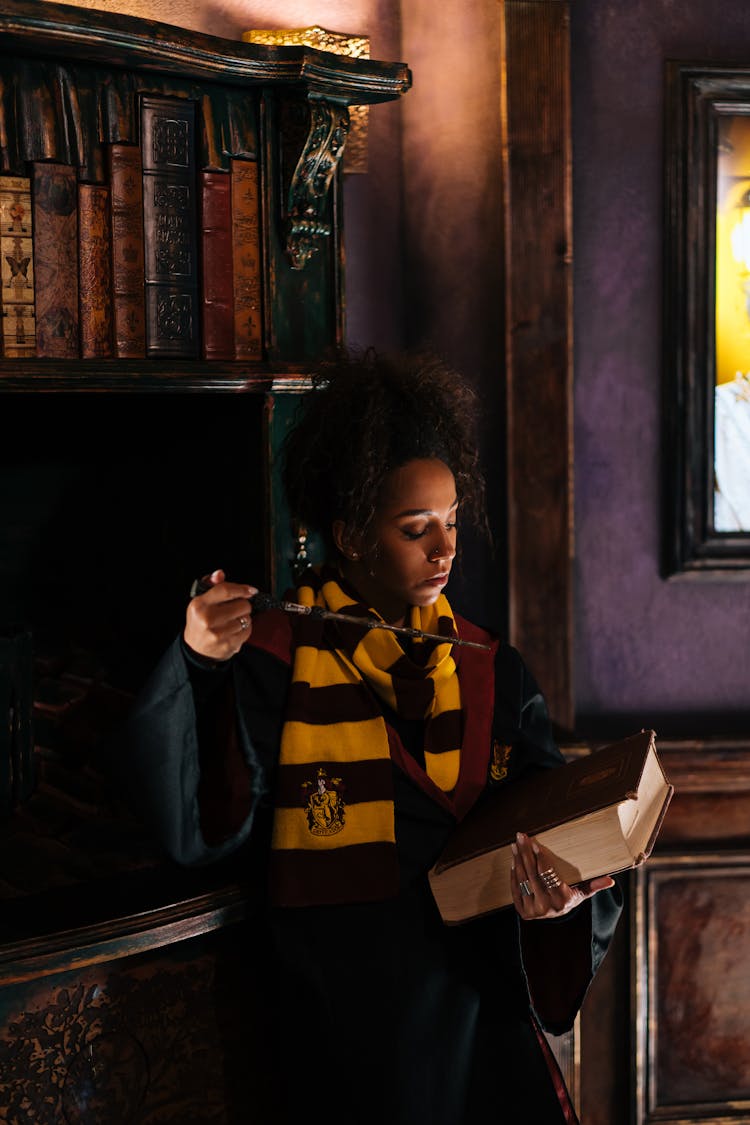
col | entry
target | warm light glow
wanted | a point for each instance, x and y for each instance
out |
(355, 46)
(732, 311)
(740, 238)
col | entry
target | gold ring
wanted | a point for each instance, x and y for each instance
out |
(550, 878)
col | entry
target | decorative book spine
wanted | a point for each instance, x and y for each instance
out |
(55, 218)
(169, 226)
(126, 214)
(217, 303)
(248, 323)
(18, 337)
(94, 271)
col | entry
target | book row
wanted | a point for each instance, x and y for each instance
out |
(163, 259)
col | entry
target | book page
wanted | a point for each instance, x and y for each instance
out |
(637, 817)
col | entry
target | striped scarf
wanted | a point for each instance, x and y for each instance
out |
(333, 831)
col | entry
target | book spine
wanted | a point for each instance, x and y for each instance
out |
(217, 302)
(55, 219)
(18, 334)
(170, 226)
(126, 217)
(246, 260)
(94, 271)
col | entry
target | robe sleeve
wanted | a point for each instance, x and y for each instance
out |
(560, 957)
(192, 774)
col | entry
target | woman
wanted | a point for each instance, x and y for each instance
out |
(341, 757)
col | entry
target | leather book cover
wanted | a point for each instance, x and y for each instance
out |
(54, 198)
(94, 271)
(18, 333)
(246, 260)
(170, 226)
(539, 802)
(126, 217)
(217, 306)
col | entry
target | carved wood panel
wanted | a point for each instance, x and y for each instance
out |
(692, 989)
(166, 1037)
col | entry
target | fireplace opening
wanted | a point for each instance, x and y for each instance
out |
(110, 505)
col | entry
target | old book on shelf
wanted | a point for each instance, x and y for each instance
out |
(94, 271)
(248, 325)
(170, 226)
(18, 335)
(126, 216)
(54, 197)
(597, 815)
(217, 304)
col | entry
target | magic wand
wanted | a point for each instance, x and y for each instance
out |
(262, 601)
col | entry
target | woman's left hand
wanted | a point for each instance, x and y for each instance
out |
(548, 896)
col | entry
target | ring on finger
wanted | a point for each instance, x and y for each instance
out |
(244, 622)
(550, 879)
(525, 888)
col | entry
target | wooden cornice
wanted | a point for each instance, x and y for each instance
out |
(65, 31)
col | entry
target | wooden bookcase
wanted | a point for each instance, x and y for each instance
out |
(121, 993)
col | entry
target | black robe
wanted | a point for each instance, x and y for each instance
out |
(374, 1012)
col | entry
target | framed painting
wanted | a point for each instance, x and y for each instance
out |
(707, 322)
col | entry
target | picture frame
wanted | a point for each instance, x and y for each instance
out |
(706, 398)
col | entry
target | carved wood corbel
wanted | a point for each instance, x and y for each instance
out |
(306, 220)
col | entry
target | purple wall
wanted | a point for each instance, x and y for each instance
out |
(645, 647)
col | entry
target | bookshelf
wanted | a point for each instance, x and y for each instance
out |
(127, 968)
(72, 84)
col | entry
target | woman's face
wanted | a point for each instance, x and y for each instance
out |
(409, 551)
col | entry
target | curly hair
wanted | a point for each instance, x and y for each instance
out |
(367, 415)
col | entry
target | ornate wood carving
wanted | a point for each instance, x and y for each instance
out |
(143, 1039)
(354, 46)
(307, 199)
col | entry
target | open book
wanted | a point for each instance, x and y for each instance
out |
(597, 815)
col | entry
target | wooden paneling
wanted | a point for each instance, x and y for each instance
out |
(691, 943)
(538, 342)
(692, 995)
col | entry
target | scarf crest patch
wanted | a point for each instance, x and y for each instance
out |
(333, 831)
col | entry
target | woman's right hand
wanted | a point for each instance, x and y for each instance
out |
(218, 622)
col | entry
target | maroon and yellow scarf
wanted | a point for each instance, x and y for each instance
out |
(333, 832)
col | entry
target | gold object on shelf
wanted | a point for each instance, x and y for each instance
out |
(337, 43)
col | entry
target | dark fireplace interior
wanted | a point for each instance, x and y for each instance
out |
(110, 505)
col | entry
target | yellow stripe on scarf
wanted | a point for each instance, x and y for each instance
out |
(334, 742)
(368, 822)
(443, 768)
(448, 698)
(320, 667)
